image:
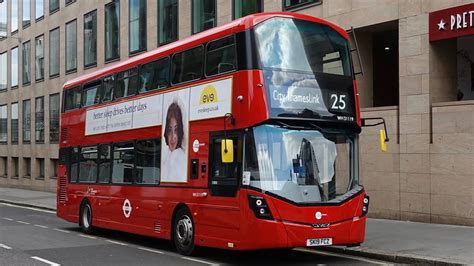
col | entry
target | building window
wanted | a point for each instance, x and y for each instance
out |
(243, 8)
(90, 38)
(27, 167)
(294, 4)
(3, 124)
(167, 21)
(137, 26)
(54, 52)
(3, 166)
(54, 168)
(39, 57)
(71, 46)
(14, 122)
(3, 19)
(54, 117)
(39, 120)
(16, 168)
(203, 15)
(39, 9)
(26, 63)
(14, 15)
(69, 2)
(14, 67)
(26, 13)
(26, 125)
(112, 30)
(3, 71)
(40, 164)
(53, 6)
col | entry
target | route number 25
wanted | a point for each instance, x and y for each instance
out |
(338, 102)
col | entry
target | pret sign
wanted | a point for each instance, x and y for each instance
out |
(453, 22)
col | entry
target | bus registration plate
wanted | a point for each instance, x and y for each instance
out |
(313, 242)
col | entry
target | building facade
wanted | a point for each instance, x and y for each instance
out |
(421, 83)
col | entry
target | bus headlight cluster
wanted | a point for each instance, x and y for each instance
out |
(365, 205)
(260, 207)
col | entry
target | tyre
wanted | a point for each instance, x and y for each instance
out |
(85, 218)
(183, 232)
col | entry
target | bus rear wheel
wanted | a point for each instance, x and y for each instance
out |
(183, 232)
(85, 218)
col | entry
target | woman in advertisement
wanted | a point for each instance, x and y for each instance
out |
(174, 157)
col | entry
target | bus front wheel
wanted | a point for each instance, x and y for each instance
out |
(183, 232)
(85, 218)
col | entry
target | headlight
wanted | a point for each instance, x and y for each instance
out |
(260, 207)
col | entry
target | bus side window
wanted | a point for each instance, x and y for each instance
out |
(155, 75)
(104, 163)
(72, 99)
(221, 56)
(108, 90)
(74, 165)
(187, 65)
(127, 83)
(88, 165)
(91, 94)
(123, 163)
(148, 158)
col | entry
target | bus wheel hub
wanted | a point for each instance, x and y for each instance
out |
(184, 230)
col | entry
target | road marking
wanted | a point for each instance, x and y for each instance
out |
(200, 261)
(21, 222)
(42, 226)
(115, 242)
(86, 236)
(327, 253)
(5, 246)
(28, 208)
(46, 261)
(151, 250)
(60, 230)
(8, 219)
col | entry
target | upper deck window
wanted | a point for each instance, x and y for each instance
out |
(300, 46)
(72, 99)
(109, 85)
(91, 94)
(155, 75)
(187, 65)
(127, 83)
(221, 56)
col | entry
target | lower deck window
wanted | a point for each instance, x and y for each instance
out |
(123, 163)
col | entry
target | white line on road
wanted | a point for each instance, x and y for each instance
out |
(21, 222)
(46, 261)
(200, 261)
(42, 226)
(60, 230)
(8, 219)
(151, 250)
(115, 242)
(5, 246)
(327, 253)
(28, 208)
(86, 236)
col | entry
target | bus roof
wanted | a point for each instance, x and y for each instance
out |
(237, 25)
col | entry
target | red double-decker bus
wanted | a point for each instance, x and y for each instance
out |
(241, 137)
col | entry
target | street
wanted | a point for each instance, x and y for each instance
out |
(30, 236)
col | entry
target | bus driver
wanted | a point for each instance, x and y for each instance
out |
(174, 158)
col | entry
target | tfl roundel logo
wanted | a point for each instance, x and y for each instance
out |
(127, 208)
(318, 215)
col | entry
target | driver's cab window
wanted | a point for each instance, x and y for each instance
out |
(226, 170)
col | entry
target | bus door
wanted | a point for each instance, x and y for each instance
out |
(220, 210)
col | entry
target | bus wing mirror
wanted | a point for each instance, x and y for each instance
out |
(383, 139)
(227, 151)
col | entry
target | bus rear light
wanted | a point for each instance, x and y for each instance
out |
(365, 205)
(260, 207)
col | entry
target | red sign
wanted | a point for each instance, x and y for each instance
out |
(453, 22)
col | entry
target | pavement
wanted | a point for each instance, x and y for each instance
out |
(389, 240)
